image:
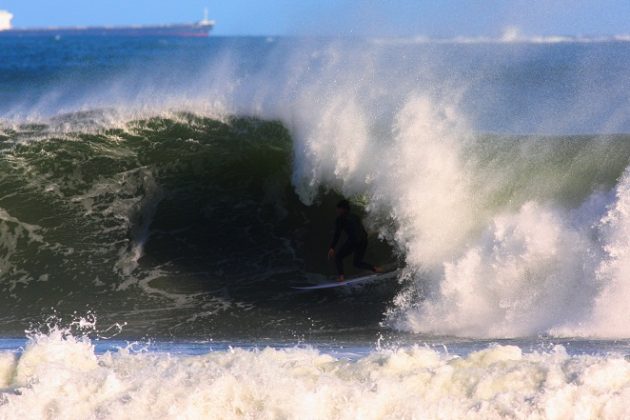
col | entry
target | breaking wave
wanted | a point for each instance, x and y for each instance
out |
(216, 210)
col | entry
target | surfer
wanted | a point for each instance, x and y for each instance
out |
(356, 242)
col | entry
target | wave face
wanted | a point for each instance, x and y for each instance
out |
(187, 216)
(65, 377)
(185, 196)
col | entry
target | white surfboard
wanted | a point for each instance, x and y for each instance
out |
(352, 282)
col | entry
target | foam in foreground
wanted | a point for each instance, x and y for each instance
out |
(59, 376)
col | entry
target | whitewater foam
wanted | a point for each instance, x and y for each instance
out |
(58, 375)
(485, 267)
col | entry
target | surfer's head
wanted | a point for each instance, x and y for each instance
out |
(343, 207)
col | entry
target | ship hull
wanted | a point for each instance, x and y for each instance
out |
(198, 31)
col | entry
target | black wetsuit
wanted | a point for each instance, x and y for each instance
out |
(356, 243)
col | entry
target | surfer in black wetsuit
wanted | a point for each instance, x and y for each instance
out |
(356, 242)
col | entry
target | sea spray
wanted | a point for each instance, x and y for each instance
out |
(610, 312)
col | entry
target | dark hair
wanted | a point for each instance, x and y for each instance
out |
(344, 204)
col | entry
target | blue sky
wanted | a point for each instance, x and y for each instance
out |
(436, 18)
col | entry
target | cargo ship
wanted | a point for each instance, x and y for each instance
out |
(198, 29)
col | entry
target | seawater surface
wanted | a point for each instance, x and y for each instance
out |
(175, 190)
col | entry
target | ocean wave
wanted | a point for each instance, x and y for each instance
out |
(225, 215)
(186, 214)
(208, 187)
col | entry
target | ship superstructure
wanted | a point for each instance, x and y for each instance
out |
(5, 20)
